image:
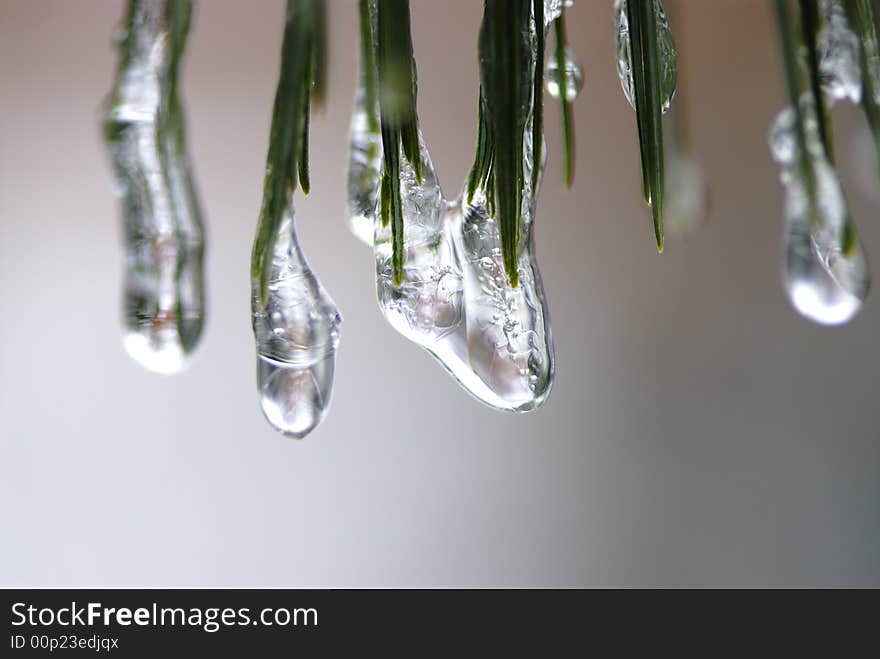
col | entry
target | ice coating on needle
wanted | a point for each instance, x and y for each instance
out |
(668, 66)
(686, 189)
(297, 333)
(455, 299)
(510, 345)
(163, 231)
(571, 79)
(426, 305)
(838, 49)
(826, 271)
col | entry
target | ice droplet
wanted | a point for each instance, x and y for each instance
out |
(427, 303)
(163, 231)
(826, 271)
(510, 344)
(687, 195)
(364, 171)
(839, 52)
(297, 333)
(668, 65)
(571, 79)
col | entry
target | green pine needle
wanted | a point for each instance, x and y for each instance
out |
(398, 116)
(288, 141)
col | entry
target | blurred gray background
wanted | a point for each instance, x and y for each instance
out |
(699, 433)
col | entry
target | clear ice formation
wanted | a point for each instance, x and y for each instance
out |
(838, 47)
(455, 300)
(571, 79)
(687, 196)
(668, 66)
(826, 270)
(163, 233)
(297, 333)
(510, 343)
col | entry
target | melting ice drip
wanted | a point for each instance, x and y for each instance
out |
(455, 300)
(297, 333)
(143, 126)
(826, 271)
(668, 66)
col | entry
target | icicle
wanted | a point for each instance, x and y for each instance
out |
(510, 345)
(296, 332)
(143, 127)
(573, 77)
(826, 271)
(624, 53)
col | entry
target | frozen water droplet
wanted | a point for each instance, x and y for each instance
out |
(668, 66)
(571, 79)
(427, 303)
(295, 400)
(826, 271)
(297, 333)
(163, 234)
(839, 54)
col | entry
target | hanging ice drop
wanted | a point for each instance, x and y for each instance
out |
(666, 45)
(571, 79)
(364, 171)
(826, 270)
(143, 128)
(296, 332)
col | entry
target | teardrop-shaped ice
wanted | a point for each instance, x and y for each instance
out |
(297, 332)
(163, 234)
(571, 78)
(427, 303)
(668, 66)
(510, 343)
(826, 271)
(839, 54)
